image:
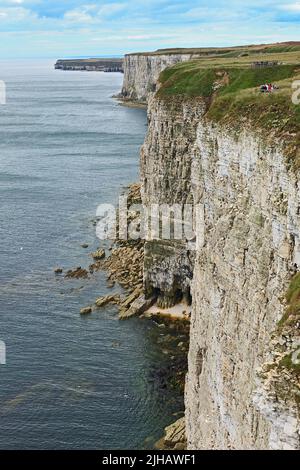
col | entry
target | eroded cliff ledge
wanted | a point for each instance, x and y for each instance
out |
(215, 141)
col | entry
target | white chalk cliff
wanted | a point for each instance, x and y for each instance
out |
(239, 274)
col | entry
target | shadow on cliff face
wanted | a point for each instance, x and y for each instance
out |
(172, 337)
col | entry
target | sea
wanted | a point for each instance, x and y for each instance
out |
(70, 381)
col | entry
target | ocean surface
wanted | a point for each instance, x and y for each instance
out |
(70, 382)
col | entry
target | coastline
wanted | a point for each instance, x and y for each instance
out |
(123, 265)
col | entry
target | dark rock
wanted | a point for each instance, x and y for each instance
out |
(77, 273)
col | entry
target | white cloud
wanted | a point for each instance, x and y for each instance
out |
(110, 9)
(92, 13)
(78, 16)
(291, 7)
(12, 2)
(212, 14)
(16, 14)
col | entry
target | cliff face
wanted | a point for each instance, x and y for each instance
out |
(250, 250)
(166, 162)
(251, 244)
(141, 73)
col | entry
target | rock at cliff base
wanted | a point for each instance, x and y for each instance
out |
(86, 310)
(137, 307)
(128, 301)
(99, 254)
(107, 299)
(174, 438)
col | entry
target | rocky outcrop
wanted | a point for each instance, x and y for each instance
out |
(107, 299)
(99, 254)
(141, 72)
(237, 276)
(86, 310)
(174, 438)
(135, 305)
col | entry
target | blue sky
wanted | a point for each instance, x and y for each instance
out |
(53, 28)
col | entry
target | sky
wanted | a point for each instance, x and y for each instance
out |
(75, 28)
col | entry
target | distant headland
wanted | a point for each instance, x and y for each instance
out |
(91, 65)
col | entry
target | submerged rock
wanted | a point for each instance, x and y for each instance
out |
(58, 270)
(77, 273)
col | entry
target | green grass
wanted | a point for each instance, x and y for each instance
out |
(284, 48)
(287, 363)
(292, 312)
(191, 79)
(231, 90)
(293, 292)
(233, 51)
(187, 81)
(243, 78)
(290, 319)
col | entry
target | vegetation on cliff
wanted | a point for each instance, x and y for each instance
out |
(233, 51)
(289, 323)
(292, 312)
(195, 79)
(231, 89)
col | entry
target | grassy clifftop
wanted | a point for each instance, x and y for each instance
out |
(194, 79)
(231, 88)
(230, 51)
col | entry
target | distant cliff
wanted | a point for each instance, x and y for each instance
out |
(94, 65)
